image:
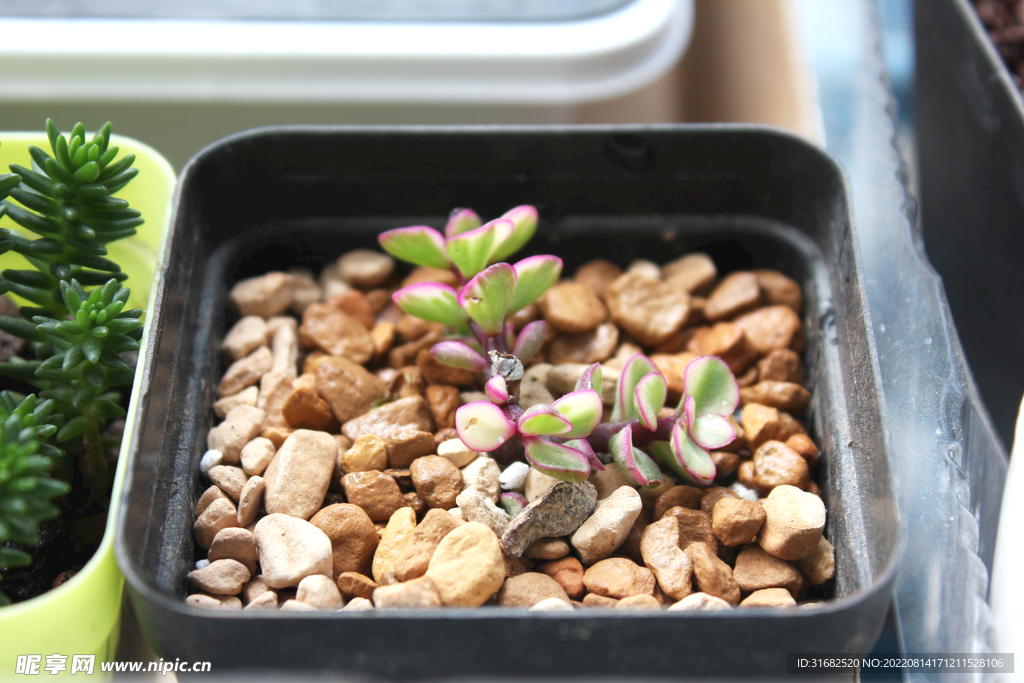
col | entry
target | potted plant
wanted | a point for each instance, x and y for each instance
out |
(81, 616)
(750, 196)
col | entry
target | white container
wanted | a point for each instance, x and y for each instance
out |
(179, 84)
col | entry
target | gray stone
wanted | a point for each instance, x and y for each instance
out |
(558, 512)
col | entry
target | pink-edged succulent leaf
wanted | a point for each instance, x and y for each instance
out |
(558, 460)
(689, 459)
(649, 398)
(485, 298)
(458, 355)
(460, 221)
(512, 503)
(712, 385)
(530, 339)
(482, 426)
(712, 432)
(583, 409)
(496, 390)
(534, 275)
(689, 408)
(417, 244)
(470, 251)
(633, 371)
(637, 466)
(433, 301)
(591, 378)
(584, 447)
(543, 420)
(524, 221)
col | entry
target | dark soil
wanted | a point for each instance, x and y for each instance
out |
(1004, 20)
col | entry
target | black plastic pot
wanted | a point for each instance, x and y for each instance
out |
(970, 129)
(751, 197)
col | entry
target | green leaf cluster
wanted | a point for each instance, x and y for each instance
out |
(26, 487)
(67, 200)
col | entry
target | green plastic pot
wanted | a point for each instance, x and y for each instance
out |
(82, 617)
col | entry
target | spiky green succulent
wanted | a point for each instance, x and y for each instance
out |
(67, 200)
(26, 487)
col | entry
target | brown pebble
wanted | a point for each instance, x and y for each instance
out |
(568, 572)
(436, 372)
(793, 524)
(467, 566)
(265, 295)
(673, 368)
(588, 347)
(642, 602)
(649, 310)
(734, 294)
(745, 474)
(229, 479)
(352, 534)
(802, 444)
(375, 492)
(300, 473)
(820, 566)
(405, 354)
(304, 409)
(725, 463)
(682, 496)
(782, 365)
(444, 401)
(572, 308)
(209, 495)
(729, 342)
(526, 590)
(354, 303)
(244, 337)
(769, 597)
(755, 569)
(240, 426)
(547, 549)
(245, 372)
(762, 423)
(618, 577)
(413, 558)
(782, 395)
(250, 500)
(355, 585)
(712, 496)
(437, 481)
(367, 453)
(256, 456)
(419, 593)
(339, 334)
(220, 577)
(776, 464)
(219, 514)
(712, 575)
(213, 601)
(736, 521)
(598, 275)
(406, 445)
(600, 601)
(694, 526)
(693, 272)
(776, 288)
(773, 327)
(245, 397)
(348, 388)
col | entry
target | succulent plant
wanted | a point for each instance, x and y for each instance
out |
(563, 439)
(26, 487)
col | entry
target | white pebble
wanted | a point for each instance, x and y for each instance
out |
(743, 492)
(202, 563)
(552, 605)
(514, 477)
(210, 460)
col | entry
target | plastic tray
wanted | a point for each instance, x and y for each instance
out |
(277, 197)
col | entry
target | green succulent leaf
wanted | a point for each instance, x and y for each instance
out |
(530, 340)
(432, 301)
(482, 426)
(524, 222)
(534, 276)
(470, 251)
(583, 409)
(460, 221)
(557, 460)
(712, 385)
(649, 398)
(458, 355)
(637, 466)
(418, 244)
(635, 369)
(485, 298)
(543, 420)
